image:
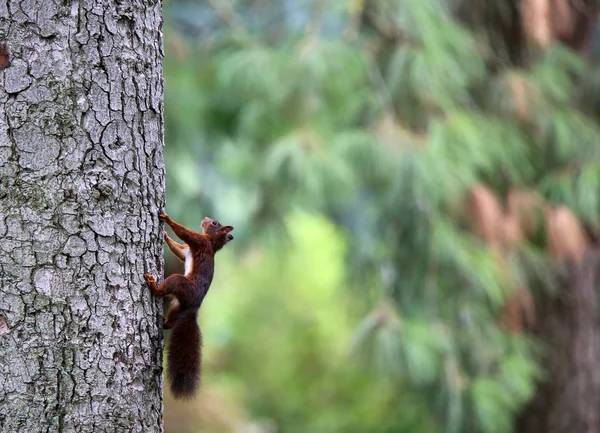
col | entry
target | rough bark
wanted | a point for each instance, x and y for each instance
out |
(81, 184)
(569, 399)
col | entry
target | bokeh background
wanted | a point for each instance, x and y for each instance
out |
(406, 179)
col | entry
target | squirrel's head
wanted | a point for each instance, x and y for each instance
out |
(215, 228)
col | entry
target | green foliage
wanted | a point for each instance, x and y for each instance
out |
(281, 325)
(384, 134)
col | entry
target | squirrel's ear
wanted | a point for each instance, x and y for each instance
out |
(226, 229)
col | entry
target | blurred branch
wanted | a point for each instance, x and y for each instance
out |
(226, 12)
(382, 88)
(356, 8)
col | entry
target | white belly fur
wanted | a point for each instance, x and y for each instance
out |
(189, 262)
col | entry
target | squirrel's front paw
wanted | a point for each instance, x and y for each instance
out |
(163, 217)
(149, 279)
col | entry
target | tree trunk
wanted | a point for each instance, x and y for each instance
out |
(81, 184)
(569, 400)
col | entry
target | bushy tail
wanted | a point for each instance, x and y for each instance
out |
(184, 356)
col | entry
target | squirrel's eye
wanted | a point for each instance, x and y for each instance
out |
(214, 223)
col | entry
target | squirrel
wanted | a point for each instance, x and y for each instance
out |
(189, 290)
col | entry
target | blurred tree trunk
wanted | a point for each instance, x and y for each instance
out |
(517, 26)
(81, 183)
(569, 323)
(569, 399)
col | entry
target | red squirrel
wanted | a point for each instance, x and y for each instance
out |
(189, 290)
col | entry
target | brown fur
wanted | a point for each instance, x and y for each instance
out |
(184, 351)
